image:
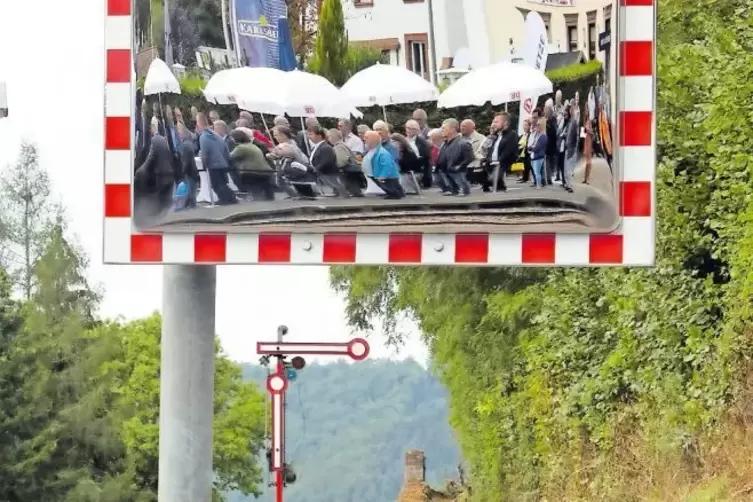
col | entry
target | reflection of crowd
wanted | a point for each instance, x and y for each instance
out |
(352, 162)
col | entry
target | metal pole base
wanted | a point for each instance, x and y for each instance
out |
(187, 383)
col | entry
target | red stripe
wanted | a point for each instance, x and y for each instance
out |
(339, 248)
(117, 133)
(209, 248)
(635, 198)
(405, 248)
(274, 248)
(118, 66)
(117, 201)
(605, 249)
(637, 58)
(636, 129)
(146, 248)
(637, 3)
(471, 248)
(538, 248)
(118, 7)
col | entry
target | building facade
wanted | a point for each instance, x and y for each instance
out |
(490, 30)
(401, 29)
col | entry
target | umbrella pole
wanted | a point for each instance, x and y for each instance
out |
(384, 113)
(266, 127)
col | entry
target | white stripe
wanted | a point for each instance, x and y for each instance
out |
(242, 248)
(118, 32)
(637, 163)
(637, 93)
(118, 100)
(639, 24)
(571, 249)
(178, 248)
(118, 167)
(277, 440)
(438, 249)
(372, 249)
(506, 249)
(117, 241)
(300, 348)
(307, 248)
(639, 241)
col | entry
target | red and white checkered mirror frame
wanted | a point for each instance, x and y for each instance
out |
(632, 244)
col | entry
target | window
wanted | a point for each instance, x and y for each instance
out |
(592, 40)
(417, 53)
(417, 57)
(572, 38)
(571, 22)
(608, 25)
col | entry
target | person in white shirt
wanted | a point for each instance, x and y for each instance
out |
(352, 141)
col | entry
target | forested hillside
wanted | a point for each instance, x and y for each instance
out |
(350, 424)
(615, 385)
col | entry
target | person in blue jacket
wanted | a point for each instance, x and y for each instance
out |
(384, 170)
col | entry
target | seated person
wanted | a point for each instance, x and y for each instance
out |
(351, 173)
(384, 170)
(254, 171)
(296, 178)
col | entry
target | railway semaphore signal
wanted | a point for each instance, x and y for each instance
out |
(277, 385)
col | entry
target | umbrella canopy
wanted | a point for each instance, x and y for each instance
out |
(499, 83)
(285, 46)
(303, 94)
(384, 85)
(160, 79)
(236, 85)
(275, 92)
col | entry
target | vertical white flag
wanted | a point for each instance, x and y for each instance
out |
(535, 53)
(3, 101)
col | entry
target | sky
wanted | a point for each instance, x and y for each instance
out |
(52, 60)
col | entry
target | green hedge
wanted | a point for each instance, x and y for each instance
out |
(570, 79)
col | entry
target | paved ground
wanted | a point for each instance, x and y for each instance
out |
(549, 208)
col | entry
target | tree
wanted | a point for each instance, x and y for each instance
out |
(332, 42)
(302, 18)
(26, 214)
(612, 384)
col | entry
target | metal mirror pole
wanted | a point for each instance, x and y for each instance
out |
(187, 383)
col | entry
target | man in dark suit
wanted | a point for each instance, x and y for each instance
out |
(422, 148)
(155, 177)
(302, 139)
(503, 152)
(324, 160)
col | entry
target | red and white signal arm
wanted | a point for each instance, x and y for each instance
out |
(631, 243)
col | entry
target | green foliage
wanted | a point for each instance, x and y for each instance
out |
(575, 72)
(331, 48)
(79, 397)
(349, 426)
(551, 372)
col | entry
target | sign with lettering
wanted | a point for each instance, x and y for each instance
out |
(605, 40)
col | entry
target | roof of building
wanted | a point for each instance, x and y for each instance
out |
(561, 59)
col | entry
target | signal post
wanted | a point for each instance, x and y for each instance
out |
(277, 385)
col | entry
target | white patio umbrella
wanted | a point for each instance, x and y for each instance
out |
(159, 79)
(497, 83)
(237, 85)
(384, 85)
(303, 94)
